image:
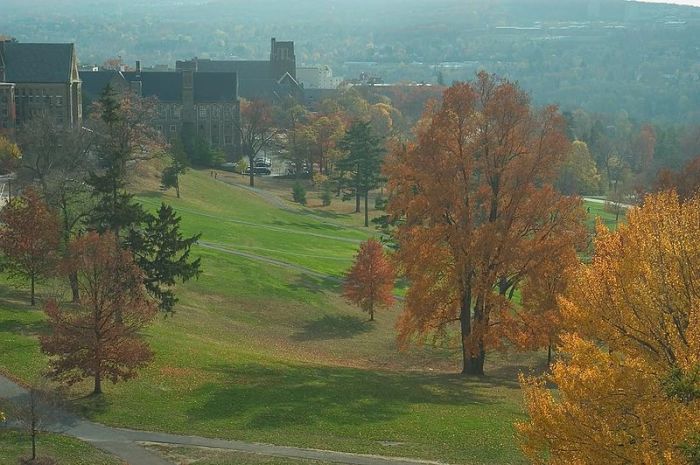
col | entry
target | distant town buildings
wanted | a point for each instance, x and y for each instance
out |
(320, 77)
(38, 79)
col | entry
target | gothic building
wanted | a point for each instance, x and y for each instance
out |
(271, 80)
(38, 79)
(203, 104)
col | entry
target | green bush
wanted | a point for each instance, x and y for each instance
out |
(326, 195)
(299, 193)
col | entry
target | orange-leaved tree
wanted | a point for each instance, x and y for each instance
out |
(537, 321)
(30, 236)
(477, 211)
(369, 283)
(629, 383)
(99, 336)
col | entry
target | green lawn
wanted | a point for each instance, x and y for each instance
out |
(597, 210)
(261, 353)
(203, 456)
(233, 217)
(67, 451)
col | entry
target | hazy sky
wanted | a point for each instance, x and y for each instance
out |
(678, 2)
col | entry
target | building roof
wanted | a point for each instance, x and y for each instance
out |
(166, 86)
(94, 82)
(40, 63)
(215, 87)
(245, 69)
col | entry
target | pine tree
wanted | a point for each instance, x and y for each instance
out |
(179, 164)
(164, 255)
(360, 170)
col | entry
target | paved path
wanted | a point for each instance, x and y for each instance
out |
(604, 201)
(128, 444)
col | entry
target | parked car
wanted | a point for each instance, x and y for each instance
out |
(263, 162)
(259, 171)
(228, 166)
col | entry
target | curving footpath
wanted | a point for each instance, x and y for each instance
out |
(127, 444)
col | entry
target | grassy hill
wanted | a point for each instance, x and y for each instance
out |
(264, 351)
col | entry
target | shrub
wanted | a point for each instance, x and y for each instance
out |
(326, 195)
(299, 193)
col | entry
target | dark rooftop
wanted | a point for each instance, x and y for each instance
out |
(40, 63)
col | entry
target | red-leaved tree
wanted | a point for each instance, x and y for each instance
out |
(30, 235)
(370, 282)
(99, 337)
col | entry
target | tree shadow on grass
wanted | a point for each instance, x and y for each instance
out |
(327, 227)
(315, 284)
(332, 327)
(267, 397)
(25, 328)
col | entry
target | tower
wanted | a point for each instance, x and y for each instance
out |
(282, 59)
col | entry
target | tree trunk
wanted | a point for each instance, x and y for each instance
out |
(549, 355)
(33, 443)
(357, 191)
(32, 280)
(98, 384)
(474, 365)
(473, 360)
(465, 326)
(177, 188)
(366, 209)
(74, 289)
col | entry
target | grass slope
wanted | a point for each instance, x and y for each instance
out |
(263, 353)
(68, 451)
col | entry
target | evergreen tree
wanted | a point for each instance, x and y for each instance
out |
(115, 209)
(164, 255)
(360, 170)
(155, 240)
(178, 166)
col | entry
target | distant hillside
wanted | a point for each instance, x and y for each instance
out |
(602, 55)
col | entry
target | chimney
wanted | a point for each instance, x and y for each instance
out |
(138, 66)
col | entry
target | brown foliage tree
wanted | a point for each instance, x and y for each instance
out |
(99, 337)
(478, 211)
(256, 130)
(370, 282)
(30, 235)
(686, 182)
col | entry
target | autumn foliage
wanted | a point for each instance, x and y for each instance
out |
(478, 213)
(370, 282)
(30, 235)
(629, 385)
(99, 336)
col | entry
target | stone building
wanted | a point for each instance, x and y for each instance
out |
(203, 104)
(38, 79)
(270, 80)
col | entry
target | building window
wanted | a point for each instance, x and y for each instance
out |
(202, 111)
(59, 101)
(228, 140)
(215, 112)
(177, 112)
(173, 128)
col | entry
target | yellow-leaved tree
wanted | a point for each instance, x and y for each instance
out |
(629, 382)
